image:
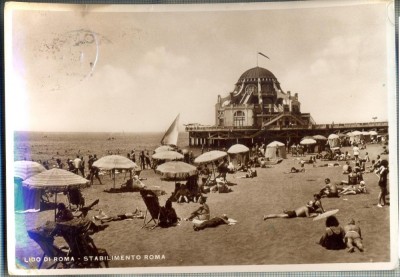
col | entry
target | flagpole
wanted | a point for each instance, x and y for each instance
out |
(257, 57)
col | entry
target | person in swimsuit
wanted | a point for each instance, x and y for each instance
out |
(353, 237)
(303, 211)
(333, 238)
(202, 213)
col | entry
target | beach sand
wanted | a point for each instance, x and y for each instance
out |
(251, 241)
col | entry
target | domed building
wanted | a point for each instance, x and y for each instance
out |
(258, 101)
(259, 110)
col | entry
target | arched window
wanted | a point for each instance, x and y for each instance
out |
(238, 118)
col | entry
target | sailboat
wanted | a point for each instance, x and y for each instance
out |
(171, 135)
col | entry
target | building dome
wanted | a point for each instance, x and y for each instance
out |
(256, 72)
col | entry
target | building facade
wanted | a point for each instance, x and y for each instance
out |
(258, 101)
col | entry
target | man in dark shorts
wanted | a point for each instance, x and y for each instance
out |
(303, 211)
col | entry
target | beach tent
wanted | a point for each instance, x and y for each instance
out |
(373, 135)
(351, 137)
(358, 136)
(275, 150)
(333, 141)
(366, 136)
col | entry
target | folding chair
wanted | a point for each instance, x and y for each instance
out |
(75, 197)
(76, 233)
(153, 207)
(43, 238)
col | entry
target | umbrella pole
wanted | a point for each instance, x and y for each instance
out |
(55, 213)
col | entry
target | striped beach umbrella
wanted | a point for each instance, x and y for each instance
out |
(176, 170)
(210, 156)
(27, 169)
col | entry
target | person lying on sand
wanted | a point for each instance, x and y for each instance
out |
(303, 211)
(353, 237)
(202, 213)
(105, 218)
(251, 173)
(361, 188)
(211, 223)
(317, 204)
(295, 170)
(65, 215)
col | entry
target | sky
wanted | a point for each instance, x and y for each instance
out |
(114, 69)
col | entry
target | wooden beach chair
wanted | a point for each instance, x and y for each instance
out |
(76, 233)
(153, 208)
(42, 237)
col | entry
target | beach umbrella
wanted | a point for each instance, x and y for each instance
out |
(115, 162)
(319, 137)
(308, 141)
(373, 133)
(275, 144)
(341, 135)
(112, 162)
(27, 169)
(307, 137)
(238, 148)
(176, 170)
(357, 133)
(365, 133)
(164, 148)
(167, 155)
(55, 180)
(210, 156)
(333, 136)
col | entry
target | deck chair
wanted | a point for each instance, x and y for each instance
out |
(75, 197)
(76, 234)
(42, 237)
(153, 208)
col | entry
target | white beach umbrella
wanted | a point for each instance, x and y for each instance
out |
(308, 141)
(319, 137)
(210, 156)
(237, 149)
(275, 144)
(373, 133)
(333, 136)
(167, 155)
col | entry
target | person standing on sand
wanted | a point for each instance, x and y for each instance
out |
(77, 164)
(303, 211)
(148, 161)
(82, 167)
(382, 174)
(142, 160)
(353, 237)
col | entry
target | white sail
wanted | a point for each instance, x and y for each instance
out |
(171, 135)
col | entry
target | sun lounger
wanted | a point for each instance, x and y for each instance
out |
(150, 198)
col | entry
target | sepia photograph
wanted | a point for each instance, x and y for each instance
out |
(180, 138)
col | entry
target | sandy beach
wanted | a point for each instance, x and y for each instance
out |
(251, 241)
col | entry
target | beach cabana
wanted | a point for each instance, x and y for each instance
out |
(373, 135)
(358, 136)
(334, 141)
(351, 137)
(366, 136)
(275, 150)
(239, 153)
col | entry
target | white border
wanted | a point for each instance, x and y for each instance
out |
(10, 112)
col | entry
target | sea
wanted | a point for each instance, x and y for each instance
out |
(49, 146)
